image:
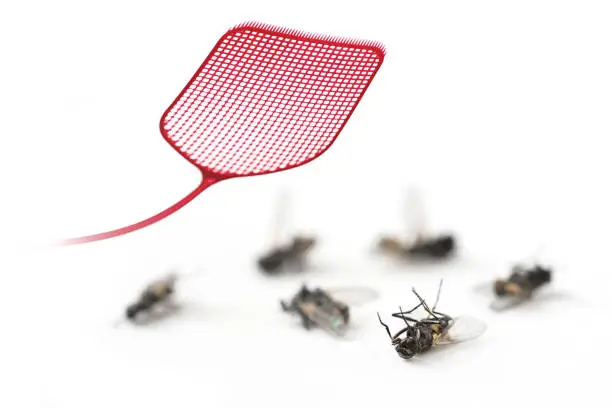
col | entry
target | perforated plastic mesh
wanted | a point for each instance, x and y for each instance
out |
(265, 99)
(268, 98)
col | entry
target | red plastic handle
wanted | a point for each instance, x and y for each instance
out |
(207, 181)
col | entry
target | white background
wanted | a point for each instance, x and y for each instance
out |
(499, 111)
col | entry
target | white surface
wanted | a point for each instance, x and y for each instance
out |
(499, 111)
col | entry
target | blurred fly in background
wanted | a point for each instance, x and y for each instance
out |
(291, 256)
(156, 300)
(420, 245)
(524, 281)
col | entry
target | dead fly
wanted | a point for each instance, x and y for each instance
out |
(317, 308)
(156, 300)
(420, 246)
(431, 248)
(520, 286)
(420, 335)
(289, 256)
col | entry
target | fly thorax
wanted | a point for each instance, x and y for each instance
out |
(159, 289)
(539, 277)
(426, 338)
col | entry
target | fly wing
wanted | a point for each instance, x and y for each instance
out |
(507, 302)
(414, 216)
(353, 296)
(160, 285)
(463, 328)
(280, 217)
(333, 323)
(535, 254)
(484, 288)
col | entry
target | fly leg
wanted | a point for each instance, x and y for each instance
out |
(385, 326)
(402, 314)
(425, 306)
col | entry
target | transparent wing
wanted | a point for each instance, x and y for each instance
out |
(464, 328)
(353, 296)
(536, 254)
(163, 282)
(332, 323)
(281, 217)
(507, 302)
(519, 268)
(414, 216)
(484, 288)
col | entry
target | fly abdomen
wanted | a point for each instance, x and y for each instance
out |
(425, 340)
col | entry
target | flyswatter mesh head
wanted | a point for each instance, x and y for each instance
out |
(266, 99)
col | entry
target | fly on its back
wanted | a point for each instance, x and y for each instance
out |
(420, 335)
